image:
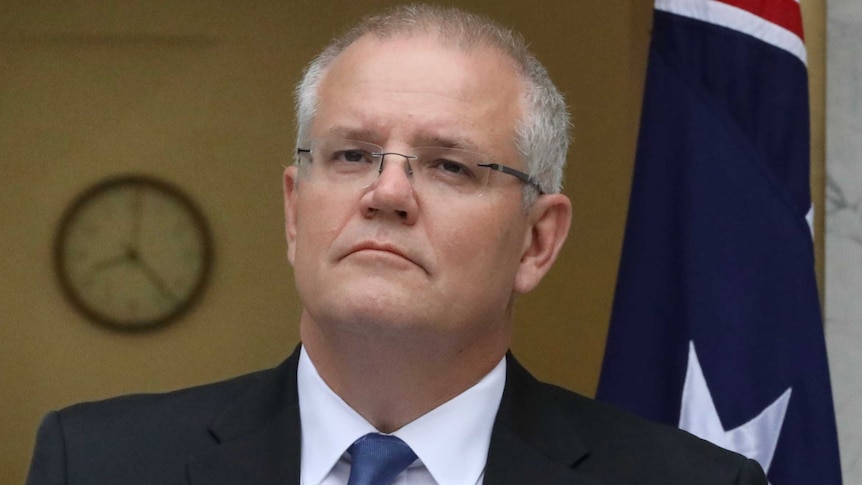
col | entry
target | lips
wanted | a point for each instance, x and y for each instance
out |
(383, 247)
(371, 246)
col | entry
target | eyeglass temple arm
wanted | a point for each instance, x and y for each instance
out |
(523, 177)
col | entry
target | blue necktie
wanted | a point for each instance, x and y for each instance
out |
(377, 459)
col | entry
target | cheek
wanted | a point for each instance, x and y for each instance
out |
(318, 224)
(483, 248)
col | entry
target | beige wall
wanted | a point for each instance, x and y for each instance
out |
(199, 93)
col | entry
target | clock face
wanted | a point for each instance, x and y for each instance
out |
(133, 252)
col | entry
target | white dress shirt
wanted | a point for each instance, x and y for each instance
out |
(451, 440)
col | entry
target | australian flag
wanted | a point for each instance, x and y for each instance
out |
(716, 324)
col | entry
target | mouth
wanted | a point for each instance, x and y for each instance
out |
(382, 251)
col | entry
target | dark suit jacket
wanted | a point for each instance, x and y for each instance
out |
(246, 431)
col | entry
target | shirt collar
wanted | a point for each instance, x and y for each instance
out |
(451, 440)
(329, 425)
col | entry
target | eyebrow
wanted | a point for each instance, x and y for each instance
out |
(373, 136)
(462, 143)
(358, 134)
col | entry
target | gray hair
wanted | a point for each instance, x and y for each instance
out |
(541, 136)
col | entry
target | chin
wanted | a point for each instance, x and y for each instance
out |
(368, 309)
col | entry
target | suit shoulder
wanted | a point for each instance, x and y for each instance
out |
(194, 403)
(632, 449)
(148, 438)
(142, 424)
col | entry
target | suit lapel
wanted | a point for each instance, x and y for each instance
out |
(533, 440)
(259, 438)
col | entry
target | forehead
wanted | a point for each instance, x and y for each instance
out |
(416, 81)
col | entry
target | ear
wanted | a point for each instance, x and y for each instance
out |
(289, 188)
(548, 226)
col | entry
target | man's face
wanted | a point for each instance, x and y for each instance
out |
(388, 257)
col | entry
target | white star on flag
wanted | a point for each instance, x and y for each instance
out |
(755, 439)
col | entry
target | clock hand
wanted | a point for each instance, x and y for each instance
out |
(109, 263)
(137, 208)
(126, 257)
(157, 281)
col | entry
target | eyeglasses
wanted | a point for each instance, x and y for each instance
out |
(447, 171)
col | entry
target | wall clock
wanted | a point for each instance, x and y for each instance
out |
(133, 252)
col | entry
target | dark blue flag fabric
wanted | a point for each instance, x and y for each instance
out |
(716, 324)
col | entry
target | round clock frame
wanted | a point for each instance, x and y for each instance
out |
(133, 253)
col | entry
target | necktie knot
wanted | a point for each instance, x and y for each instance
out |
(377, 459)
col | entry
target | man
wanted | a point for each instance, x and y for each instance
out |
(424, 199)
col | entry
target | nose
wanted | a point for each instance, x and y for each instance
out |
(391, 194)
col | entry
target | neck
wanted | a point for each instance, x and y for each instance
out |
(392, 378)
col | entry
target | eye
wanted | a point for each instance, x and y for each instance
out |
(451, 168)
(352, 156)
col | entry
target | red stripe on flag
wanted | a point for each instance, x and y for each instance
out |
(785, 13)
